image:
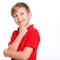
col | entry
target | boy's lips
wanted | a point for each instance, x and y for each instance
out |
(21, 21)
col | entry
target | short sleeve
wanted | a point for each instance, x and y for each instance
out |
(33, 39)
(12, 37)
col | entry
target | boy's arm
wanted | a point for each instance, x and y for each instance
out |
(24, 55)
(15, 44)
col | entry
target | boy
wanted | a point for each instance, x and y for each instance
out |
(24, 41)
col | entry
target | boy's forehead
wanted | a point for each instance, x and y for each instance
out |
(21, 9)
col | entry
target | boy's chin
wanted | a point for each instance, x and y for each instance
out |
(21, 24)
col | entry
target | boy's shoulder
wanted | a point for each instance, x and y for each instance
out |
(15, 31)
(33, 29)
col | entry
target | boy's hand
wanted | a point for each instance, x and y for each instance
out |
(5, 52)
(22, 31)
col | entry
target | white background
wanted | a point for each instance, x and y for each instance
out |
(45, 17)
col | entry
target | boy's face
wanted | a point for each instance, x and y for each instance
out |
(21, 17)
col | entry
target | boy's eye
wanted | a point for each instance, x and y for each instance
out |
(22, 13)
(15, 16)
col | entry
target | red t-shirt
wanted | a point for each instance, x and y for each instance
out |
(31, 39)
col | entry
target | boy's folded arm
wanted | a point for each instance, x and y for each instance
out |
(15, 44)
(24, 55)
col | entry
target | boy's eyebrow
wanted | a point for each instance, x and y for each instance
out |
(15, 15)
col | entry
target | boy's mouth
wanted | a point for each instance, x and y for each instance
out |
(22, 20)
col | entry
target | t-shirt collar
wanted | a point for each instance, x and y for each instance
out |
(28, 27)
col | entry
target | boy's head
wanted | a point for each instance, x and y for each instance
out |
(19, 5)
(21, 13)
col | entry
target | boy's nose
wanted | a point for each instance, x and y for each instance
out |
(19, 18)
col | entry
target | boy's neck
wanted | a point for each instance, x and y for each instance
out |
(27, 25)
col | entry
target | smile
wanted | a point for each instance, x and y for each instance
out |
(21, 21)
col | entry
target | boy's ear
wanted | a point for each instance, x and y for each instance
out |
(30, 14)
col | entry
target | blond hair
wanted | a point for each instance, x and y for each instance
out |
(19, 5)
